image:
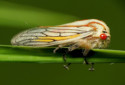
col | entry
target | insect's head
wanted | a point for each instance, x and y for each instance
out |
(103, 34)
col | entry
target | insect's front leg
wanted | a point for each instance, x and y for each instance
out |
(64, 55)
(84, 44)
(86, 51)
(87, 46)
(81, 44)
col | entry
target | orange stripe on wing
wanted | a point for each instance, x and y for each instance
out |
(61, 26)
(90, 24)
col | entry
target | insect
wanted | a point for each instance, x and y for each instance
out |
(86, 34)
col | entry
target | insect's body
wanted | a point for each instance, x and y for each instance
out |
(80, 34)
(86, 34)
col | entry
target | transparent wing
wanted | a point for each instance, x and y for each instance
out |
(49, 36)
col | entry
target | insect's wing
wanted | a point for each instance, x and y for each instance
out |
(49, 36)
(80, 22)
(86, 22)
(25, 38)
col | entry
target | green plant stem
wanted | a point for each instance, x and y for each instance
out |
(46, 55)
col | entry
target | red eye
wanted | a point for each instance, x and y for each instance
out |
(103, 36)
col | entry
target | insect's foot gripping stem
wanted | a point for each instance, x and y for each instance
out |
(64, 58)
(92, 67)
(67, 66)
(85, 61)
(86, 51)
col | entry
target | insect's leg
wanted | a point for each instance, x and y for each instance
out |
(64, 55)
(62, 45)
(84, 44)
(92, 67)
(86, 51)
(73, 47)
(59, 46)
(67, 66)
(54, 51)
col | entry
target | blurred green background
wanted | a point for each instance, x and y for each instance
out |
(18, 15)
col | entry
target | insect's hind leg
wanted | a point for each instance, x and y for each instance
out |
(66, 66)
(71, 48)
(59, 46)
(64, 54)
